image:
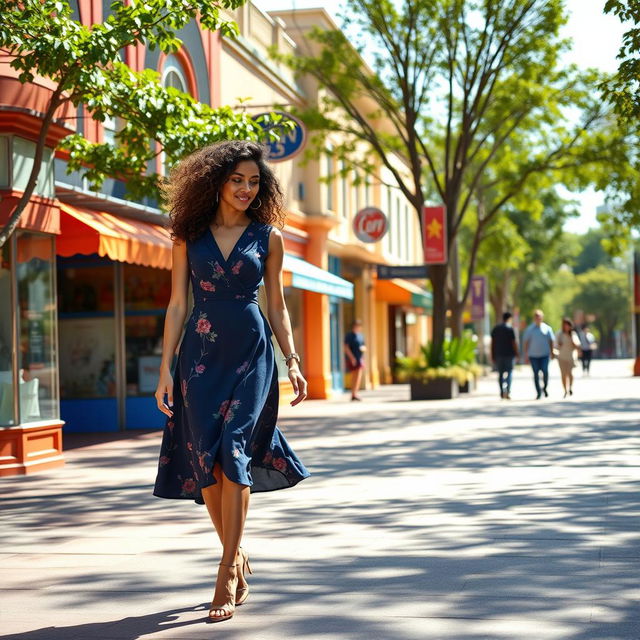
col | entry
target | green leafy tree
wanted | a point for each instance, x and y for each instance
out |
(605, 294)
(524, 249)
(43, 39)
(622, 182)
(451, 84)
(592, 253)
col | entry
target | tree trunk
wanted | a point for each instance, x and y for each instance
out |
(54, 102)
(438, 278)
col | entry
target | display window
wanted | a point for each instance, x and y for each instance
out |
(293, 298)
(7, 417)
(38, 396)
(87, 328)
(146, 296)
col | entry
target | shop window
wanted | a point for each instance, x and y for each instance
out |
(38, 395)
(357, 187)
(146, 295)
(7, 417)
(293, 296)
(344, 181)
(4, 162)
(109, 130)
(87, 328)
(23, 155)
(328, 160)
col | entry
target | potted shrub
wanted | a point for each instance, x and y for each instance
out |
(431, 377)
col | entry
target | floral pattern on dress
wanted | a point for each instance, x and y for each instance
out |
(205, 285)
(228, 417)
(217, 271)
(235, 269)
(227, 411)
(204, 329)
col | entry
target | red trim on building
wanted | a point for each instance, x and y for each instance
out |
(185, 60)
(40, 214)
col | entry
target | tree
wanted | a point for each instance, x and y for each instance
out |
(523, 251)
(592, 253)
(84, 63)
(454, 81)
(604, 293)
(622, 91)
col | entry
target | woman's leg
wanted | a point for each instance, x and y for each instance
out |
(356, 379)
(234, 503)
(213, 500)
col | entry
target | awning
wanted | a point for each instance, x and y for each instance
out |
(305, 275)
(123, 239)
(403, 292)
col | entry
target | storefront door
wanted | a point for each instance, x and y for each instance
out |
(335, 324)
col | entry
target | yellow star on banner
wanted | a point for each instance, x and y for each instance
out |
(434, 229)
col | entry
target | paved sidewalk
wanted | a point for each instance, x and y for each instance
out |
(448, 520)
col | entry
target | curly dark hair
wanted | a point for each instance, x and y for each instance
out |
(191, 192)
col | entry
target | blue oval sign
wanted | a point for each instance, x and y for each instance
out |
(290, 142)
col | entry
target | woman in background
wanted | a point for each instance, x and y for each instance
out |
(568, 343)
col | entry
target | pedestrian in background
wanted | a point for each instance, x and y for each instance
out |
(221, 442)
(538, 350)
(354, 349)
(504, 349)
(568, 344)
(587, 346)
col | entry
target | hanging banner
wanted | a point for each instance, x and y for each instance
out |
(434, 229)
(478, 297)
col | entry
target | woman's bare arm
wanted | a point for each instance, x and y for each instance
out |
(174, 321)
(277, 311)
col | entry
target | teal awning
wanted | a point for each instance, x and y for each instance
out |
(307, 276)
(422, 299)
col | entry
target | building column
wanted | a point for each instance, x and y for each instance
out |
(317, 347)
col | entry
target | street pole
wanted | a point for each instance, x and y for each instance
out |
(636, 308)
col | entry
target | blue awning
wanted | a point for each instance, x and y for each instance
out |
(307, 276)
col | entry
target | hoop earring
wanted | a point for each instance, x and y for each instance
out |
(259, 206)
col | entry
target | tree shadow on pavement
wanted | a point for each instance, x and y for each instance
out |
(425, 528)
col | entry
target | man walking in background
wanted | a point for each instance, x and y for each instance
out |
(538, 350)
(504, 349)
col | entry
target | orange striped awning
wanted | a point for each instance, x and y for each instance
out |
(123, 239)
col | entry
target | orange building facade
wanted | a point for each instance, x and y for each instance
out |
(87, 275)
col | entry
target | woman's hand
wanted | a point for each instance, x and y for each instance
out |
(165, 387)
(298, 383)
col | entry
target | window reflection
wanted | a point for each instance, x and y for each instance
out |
(37, 321)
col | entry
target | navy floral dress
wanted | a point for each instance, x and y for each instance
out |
(225, 401)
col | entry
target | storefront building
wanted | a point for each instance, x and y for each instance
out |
(87, 275)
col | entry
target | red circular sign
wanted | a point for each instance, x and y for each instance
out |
(370, 224)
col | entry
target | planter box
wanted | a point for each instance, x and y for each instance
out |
(436, 389)
(468, 386)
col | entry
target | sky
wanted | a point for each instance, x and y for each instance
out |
(596, 41)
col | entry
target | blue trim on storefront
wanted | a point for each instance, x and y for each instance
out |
(88, 415)
(307, 276)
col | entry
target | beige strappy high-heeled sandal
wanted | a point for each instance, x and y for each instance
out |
(242, 593)
(230, 586)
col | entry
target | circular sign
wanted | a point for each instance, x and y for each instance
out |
(291, 140)
(370, 224)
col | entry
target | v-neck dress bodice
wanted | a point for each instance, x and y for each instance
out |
(225, 401)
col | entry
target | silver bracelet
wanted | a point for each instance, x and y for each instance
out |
(291, 356)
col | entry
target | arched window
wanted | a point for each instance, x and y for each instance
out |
(173, 74)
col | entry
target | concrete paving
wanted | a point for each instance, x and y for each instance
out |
(465, 519)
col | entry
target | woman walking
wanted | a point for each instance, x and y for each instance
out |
(221, 442)
(568, 343)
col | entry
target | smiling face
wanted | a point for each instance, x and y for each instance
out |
(242, 186)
